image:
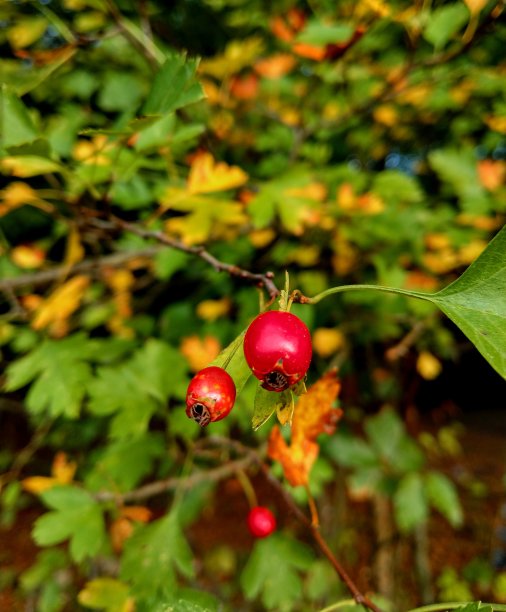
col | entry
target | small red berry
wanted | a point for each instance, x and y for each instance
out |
(277, 347)
(261, 522)
(210, 396)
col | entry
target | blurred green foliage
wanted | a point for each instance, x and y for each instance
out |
(350, 142)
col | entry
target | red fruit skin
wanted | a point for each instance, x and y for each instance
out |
(261, 522)
(210, 396)
(278, 350)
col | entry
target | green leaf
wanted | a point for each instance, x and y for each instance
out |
(385, 431)
(459, 169)
(268, 402)
(233, 361)
(476, 302)
(394, 185)
(106, 594)
(318, 33)
(152, 556)
(477, 606)
(133, 390)
(410, 503)
(442, 495)
(272, 571)
(75, 516)
(285, 410)
(47, 564)
(124, 463)
(174, 86)
(120, 92)
(60, 372)
(350, 451)
(16, 125)
(444, 22)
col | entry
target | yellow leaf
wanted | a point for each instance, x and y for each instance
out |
(61, 303)
(238, 54)
(62, 472)
(28, 256)
(26, 31)
(327, 341)
(200, 352)
(314, 414)
(24, 166)
(74, 250)
(475, 6)
(62, 469)
(38, 484)
(19, 194)
(469, 252)
(317, 192)
(386, 114)
(207, 175)
(210, 310)
(498, 124)
(428, 366)
(262, 237)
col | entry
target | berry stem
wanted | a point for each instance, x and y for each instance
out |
(303, 299)
(248, 488)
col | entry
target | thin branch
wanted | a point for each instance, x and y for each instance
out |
(359, 597)
(169, 484)
(44, 277)
(261, 280)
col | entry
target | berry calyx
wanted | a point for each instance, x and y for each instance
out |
(277, 348)
(261, 522)
(210, 396)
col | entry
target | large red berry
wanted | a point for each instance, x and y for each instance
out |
(277, 347)
(210, 396)
(261, 522)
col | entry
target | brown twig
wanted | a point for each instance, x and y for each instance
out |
(261, 280)
(169, 484)
(44, 277)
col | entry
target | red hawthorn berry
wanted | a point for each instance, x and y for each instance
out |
(261, 522)
(210, 396)
(277, 347)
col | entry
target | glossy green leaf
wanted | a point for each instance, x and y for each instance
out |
(476, 302)
(233, 361)
(269, 402)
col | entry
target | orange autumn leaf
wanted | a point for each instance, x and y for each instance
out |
(62, 472)
(207, 175)
(137, 513)
(310, 51)
(492, 174)
(275, 66)
(314, 414)
(244, 87)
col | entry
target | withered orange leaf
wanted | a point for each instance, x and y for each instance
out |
(314, 415)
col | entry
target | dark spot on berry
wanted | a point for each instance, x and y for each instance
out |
(275, 380)
(200, 414)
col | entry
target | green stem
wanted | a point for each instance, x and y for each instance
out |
(452, 605)
(342, 288)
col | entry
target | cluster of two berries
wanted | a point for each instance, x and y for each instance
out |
(277, 348)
